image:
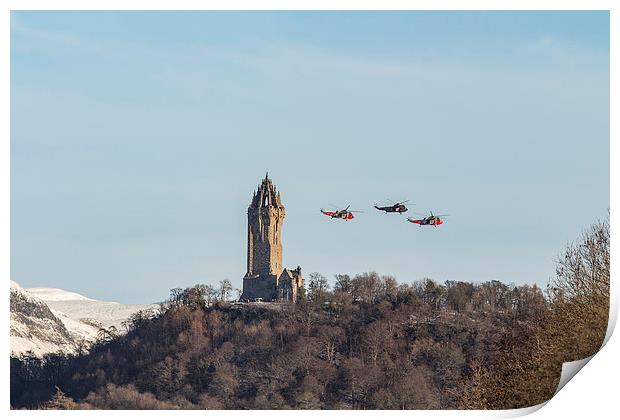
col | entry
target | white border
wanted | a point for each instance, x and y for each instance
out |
(594, 392)
(310, 5)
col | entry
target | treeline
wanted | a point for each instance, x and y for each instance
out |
(366, 343)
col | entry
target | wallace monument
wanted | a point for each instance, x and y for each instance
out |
(265, 279)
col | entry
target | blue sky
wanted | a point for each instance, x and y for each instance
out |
(137, 139)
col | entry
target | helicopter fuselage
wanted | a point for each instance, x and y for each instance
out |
(393, 209)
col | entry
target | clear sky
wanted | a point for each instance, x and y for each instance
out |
(137, 139)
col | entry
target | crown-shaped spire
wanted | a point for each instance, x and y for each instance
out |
(266, 195)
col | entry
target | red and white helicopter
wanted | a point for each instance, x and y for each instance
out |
(432, 220)
(344, 214)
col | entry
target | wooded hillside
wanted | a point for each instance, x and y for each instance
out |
(366, 343)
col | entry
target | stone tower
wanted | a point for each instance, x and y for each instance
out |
(264, 278)
(265, 218)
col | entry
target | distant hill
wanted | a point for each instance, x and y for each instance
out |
(47, 320)
(34, 327)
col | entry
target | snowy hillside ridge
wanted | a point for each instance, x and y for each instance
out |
(46, 320)
(34, 327)
(85, 310)
(50, 294)
(26, 305)
(23, 294)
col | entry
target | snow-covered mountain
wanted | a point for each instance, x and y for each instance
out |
(35, 327)
(47, 320)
